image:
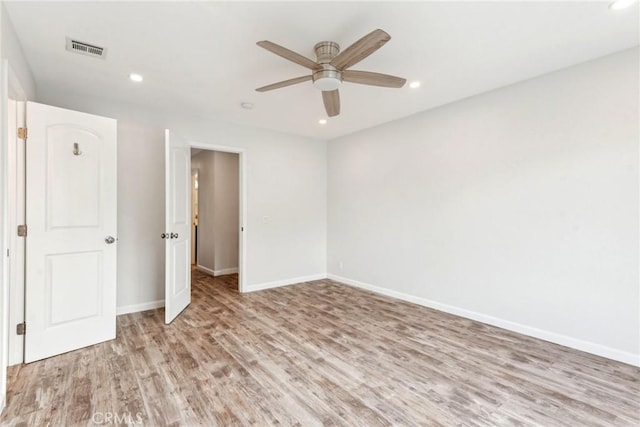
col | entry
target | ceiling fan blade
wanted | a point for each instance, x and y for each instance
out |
(373, 79)
(284, 83)
(360, 49)
(288, 54)
(331, 100)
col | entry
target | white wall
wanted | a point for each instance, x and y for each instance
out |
(225, 215)
(140, 215)
(218, 197)
(518, 207)
(286, 180)
(12, 52)
(204, 163)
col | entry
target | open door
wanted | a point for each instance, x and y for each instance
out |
(71, 198)
(177, 233)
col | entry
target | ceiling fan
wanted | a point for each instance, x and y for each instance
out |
(331, 67)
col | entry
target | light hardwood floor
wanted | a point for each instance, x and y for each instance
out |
(319, 354)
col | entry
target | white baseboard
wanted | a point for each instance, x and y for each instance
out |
(224, 271)
(216, 273)
(205, 270)
(285, 282)
(567, 341)
(134, 308)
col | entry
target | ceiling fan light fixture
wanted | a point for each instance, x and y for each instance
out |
(327, 83)
(327, 78)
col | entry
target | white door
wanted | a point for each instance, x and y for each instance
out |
(177, 294)
(71, 228)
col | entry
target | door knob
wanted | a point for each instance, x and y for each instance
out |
(109, 240)
(174, 235)
(164, 236)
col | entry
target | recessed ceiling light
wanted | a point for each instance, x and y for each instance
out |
(322, 121)
(621, 4)
(135, 77)
(414, 85)
(246, 105)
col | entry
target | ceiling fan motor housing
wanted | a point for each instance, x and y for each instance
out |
(326, 51)
(328, 77)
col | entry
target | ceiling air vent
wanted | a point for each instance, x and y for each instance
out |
(86, 48)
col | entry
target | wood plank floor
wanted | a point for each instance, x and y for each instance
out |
(319, 354)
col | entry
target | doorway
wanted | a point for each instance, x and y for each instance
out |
(178, 220)
(215, 204)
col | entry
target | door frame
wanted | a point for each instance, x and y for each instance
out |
(12, 283)
(16, 216)
(4, 241)
(242, 205)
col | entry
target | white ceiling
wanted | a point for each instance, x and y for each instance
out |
(200, 58)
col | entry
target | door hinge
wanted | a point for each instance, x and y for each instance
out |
(22, 231)
(22, 133)
(21, 328)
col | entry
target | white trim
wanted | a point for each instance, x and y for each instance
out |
(15, 89)
(567, 341)
(224, 271)
(205, 270)
(285, 282)
(134, 308)
(4, 241)
(216, 273)
(13, 288)
(16, 158)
